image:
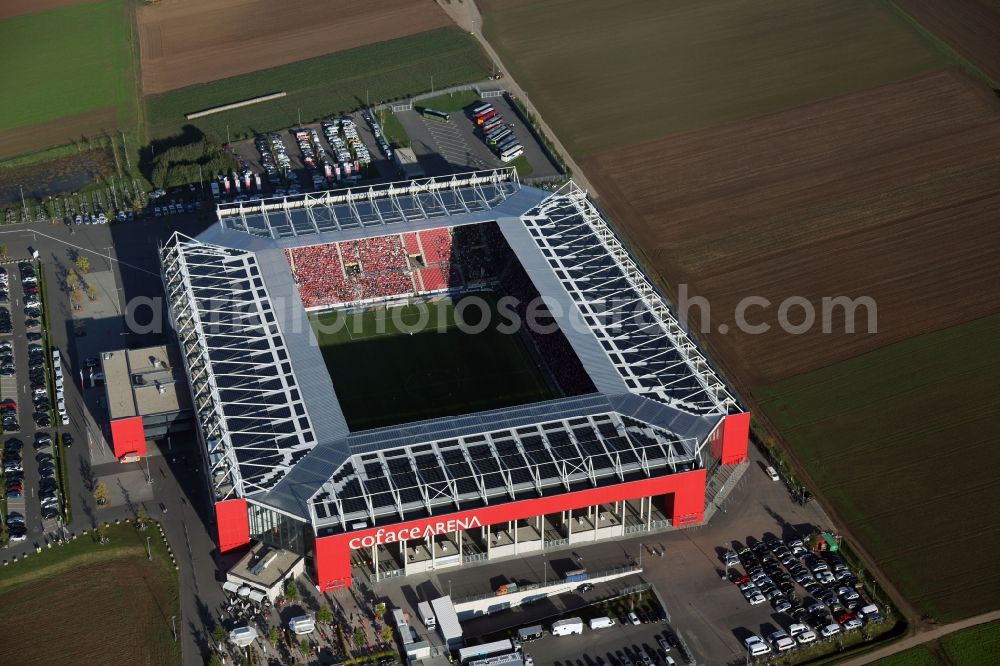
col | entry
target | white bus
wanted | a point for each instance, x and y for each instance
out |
(511, 154)
(482, 109)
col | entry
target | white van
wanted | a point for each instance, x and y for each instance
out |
(573, 625)
(301, 625)
(601, 623)
(426, 615)
(773, 473)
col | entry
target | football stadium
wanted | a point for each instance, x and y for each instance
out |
(394, 379)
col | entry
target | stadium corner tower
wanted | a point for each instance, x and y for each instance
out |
(639, 435)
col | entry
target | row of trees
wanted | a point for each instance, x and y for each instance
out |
(189, 163)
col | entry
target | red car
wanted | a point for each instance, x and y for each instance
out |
(31, 290)
(8, 404)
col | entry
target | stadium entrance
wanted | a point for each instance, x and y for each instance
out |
(478, 543)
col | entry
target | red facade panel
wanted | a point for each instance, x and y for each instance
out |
(735, 438)
(232, 524)
(128, 437)
(685, 503)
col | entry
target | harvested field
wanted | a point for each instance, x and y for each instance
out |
(98, 604)
(888, 193)
(971, 27)
(676, 65)
(10, 8)
(323, 86)
(21, 141)
(901, 442)
(123, 602)
(185, 42)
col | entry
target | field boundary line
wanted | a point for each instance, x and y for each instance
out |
(939, 44)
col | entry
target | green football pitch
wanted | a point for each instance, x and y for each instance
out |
(408, 363)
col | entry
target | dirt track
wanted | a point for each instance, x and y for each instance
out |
(888, 193)
(9, 8)
(971, 27)
(184, 42)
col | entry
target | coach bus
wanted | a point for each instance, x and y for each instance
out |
(507, 142)
(434, 113)
(511, 154)
(492, 124)
(499, 136)
(481, 120)
(483, 108)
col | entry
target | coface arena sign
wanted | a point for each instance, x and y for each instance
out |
(392, 535)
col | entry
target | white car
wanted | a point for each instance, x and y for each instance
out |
(852, 624)
(781, 641)
(633, 618)
(755, 598)
(829, 631)
(802, 633)
(755, 646)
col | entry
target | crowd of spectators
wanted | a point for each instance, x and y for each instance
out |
(398, 264)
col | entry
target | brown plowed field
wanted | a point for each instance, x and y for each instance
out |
(971, 27)
(889, 193)
(25, 140)
(183, 42)
(9, 8)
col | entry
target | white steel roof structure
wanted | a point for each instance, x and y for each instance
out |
(274, 429)
(371, 206)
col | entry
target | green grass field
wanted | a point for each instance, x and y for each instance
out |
(975, 646)
(325, 86)
(385, 376)
(916, 656)
(452, 103)
(68, 61)
(607, 74)
(910, 471)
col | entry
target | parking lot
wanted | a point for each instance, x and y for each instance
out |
(455, 145)
(618, 645)
(34, 498)
(806, 594)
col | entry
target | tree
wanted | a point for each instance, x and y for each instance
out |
(274, 635)
(101, 534)
(92, 292)
(101, 493)
(359, 637)
(387, 634)
(304, 646)
(219, 634)
(324, 615)
(72, 281)
(83, 263)
(76, 297)
(141, 519)
(214, 660)
(291, 590)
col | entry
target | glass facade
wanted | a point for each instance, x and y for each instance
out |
(277, 529)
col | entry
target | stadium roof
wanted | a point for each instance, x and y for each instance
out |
(275, 430)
